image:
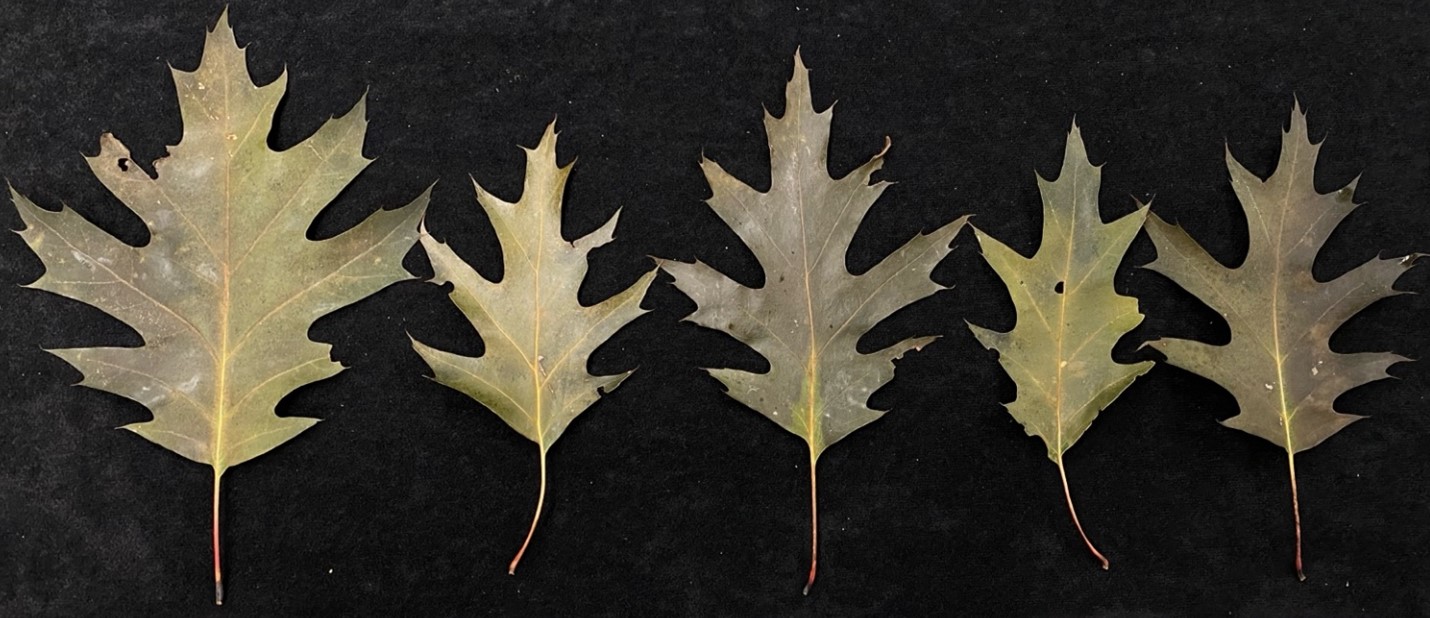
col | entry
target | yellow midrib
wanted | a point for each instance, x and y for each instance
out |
(535, 359)
(811, 365)
(221, 396)
(1276, 306)
(1059, 332)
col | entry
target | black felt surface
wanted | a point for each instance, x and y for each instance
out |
(667, 498)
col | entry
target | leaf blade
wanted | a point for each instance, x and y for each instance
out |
(808, 317)
(224, 318)
(1069, 314)
(1279, 365)
(538, 336)
(1064, 294)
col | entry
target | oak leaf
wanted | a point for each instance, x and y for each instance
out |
(808, 317)
(1279, 364)
(228, 285)
(538, 336)
(1069, 316)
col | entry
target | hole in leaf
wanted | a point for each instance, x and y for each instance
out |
(1058, 288)
(124, 165)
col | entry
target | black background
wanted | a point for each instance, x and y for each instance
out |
(667, 498)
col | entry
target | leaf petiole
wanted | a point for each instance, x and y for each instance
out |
(218, 563)
(1296, 512)
(540, 500)
(813, 521)
(1062, 472)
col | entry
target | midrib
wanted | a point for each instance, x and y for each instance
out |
(811, 365)
(221, 396)
(1060, 332)
(536, 381)
(1276, 306)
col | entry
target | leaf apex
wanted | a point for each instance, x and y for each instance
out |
(359, 108)
(799, 97)
(548, 136)
(221, 34)
(223, 19)
(1297, 126)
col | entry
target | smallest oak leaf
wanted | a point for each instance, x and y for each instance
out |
(538, 336)
(1059, 353)
(1279, 364)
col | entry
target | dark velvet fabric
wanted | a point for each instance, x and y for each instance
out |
(667, 498)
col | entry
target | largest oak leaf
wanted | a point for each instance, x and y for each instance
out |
(228, 285)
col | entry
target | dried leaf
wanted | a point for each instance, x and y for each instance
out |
(538, 336)
(228, 285)
(810, 314)
(1069, 315)
(1279, 364)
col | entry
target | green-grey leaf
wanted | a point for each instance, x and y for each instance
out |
(811, 312)
(226, 289)
(538, 336)
(1069, 314)
(1279, 364)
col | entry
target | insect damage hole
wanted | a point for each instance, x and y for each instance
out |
(1058, 288)
(123, 164)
